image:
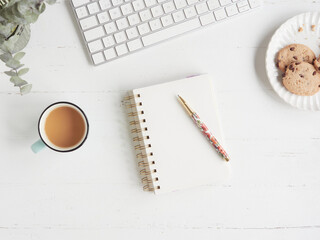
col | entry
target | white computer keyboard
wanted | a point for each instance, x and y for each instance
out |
(116, 28)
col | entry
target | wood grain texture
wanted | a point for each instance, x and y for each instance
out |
(95, 193)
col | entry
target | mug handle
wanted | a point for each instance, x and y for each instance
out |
(38, 146)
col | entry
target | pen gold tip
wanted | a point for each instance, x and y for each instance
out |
(185, 105)
(181, 99)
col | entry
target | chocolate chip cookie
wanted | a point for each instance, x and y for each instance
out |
(316, 64)
(294, 53)
(301, 79)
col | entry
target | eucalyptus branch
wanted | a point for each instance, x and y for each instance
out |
(15, 19)
(13, 62)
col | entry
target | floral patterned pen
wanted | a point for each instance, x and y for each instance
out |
(214, 142)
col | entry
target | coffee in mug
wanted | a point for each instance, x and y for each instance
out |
(62, 127)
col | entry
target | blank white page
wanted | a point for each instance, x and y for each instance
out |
(182, 154)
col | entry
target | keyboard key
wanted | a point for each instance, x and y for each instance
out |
(145, 15)
(220, 14)
(242, 4)
(155, 24)
(82, 12)
(135, 45)
(190, 12)
(232, 10)
(255, 3)
(127, 9)
(244, 8)
(169, 7)
(150, 3)
(110, 53)
(103, 17)
(213, 4)
(122, 23)
(157, 11)
(94, 33)
(120, 37)
(167, 20)
(190, 2)
(180, 3)
(88, 22)
(207, 19)
(134, 19)
(224, 2)
(108, 41)
(105, 4)
(122, 49)
(95, 46)
(77, 3)
(178, 16)
(93, 8)
(144, 28)
(117, 2)
(98, 58)
(138, 5)
(171, 32)
(132, 33)
(115, 13)
(110, 27)
(202, 8)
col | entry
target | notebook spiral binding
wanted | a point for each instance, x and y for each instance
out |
(141, 140)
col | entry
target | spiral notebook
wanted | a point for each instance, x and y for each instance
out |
(171, 152)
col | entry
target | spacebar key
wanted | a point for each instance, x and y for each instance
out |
(171, 32)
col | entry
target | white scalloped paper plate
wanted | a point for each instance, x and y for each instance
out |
(286, 34)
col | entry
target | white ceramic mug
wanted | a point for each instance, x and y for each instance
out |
(44, 141)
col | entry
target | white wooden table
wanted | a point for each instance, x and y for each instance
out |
(95, 192)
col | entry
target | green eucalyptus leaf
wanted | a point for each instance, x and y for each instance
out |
(25, 89)
(50, 1)
(12, 63)
(12, 15)
(8, 46)
(11, 2)
(16, 15)
(10, 73)
(27, 10)
(5, 57)
(6, 29)
(24, 36)
(23, 71)
(2, 20)
(41, 7)
(17, 81)
(24, 7)
(32, 18)
(19, 55)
